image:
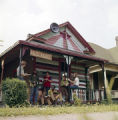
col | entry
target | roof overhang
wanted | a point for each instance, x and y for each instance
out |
(50, 48)
(61, 50)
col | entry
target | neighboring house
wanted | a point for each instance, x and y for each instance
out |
(110, 68)
(49, 51)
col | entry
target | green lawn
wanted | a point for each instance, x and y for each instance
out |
(56, 110)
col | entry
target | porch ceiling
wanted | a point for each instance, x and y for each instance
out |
(88, 63)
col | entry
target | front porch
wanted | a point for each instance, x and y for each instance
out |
(56, 67)
(58, 53)
(97, 83)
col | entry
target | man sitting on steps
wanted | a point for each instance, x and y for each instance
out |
(54, 96)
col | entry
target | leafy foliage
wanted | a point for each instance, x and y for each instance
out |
(14, 91)
(76, 100)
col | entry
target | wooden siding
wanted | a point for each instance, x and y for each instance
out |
(42, 66)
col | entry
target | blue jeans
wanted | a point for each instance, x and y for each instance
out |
(74, 87)
(46, 89)
(20, 77)
(34, 94)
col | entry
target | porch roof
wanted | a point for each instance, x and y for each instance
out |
(54, 49)
(16, 46)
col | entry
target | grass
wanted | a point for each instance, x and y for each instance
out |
(56, 110)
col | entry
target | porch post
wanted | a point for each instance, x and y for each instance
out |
(68, 68)
(87, 91)
(20, 59)
(105, 83)
(104, 79)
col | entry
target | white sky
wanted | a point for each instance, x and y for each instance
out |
(95, 20)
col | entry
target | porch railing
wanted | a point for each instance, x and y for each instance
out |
(89, 95)
(114, 94)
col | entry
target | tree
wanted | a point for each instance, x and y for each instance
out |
(109, 88)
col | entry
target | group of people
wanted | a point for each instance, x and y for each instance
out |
(67, 85)
(47, 93)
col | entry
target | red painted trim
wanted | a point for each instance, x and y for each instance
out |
(79, 73)
(80, 38)
(36, 38)
(82, 85)
(46, 67)
(53, 40)
(64, 36)
(79, 64)
(74, 31)
(61, 50)
(73, 45)
(51, 82)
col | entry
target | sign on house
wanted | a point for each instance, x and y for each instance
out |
(40, 54)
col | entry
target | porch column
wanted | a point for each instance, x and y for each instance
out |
(20, 59)
(104, 79)
(68, 68)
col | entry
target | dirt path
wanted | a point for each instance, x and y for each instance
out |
(89, 116)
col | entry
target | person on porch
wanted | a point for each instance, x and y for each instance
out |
(41, 93)
(20, 71)
(54, 96)
(75, 82)
(47, 83)
(34, 88)
(65, 87)
(74, 85)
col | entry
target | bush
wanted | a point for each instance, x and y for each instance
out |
(14, 92)
(76, 100)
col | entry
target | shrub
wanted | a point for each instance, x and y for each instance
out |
(76, 100)
(14, 91)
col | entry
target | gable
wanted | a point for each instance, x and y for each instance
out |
(67, 38)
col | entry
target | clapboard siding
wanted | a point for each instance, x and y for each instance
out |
(42, 66)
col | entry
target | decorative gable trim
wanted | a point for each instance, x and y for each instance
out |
(73, 30)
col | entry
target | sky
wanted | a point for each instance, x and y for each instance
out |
(95, 20)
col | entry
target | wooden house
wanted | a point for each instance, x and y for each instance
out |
(63, 52)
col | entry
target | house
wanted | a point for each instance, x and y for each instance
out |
(110, 68)
(65, 51)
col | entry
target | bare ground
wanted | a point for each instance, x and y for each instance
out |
(89, 116)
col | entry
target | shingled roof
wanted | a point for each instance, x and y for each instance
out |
(109, 54)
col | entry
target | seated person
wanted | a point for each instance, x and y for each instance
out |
(54, 95)
(65, 87)
(75, 82)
